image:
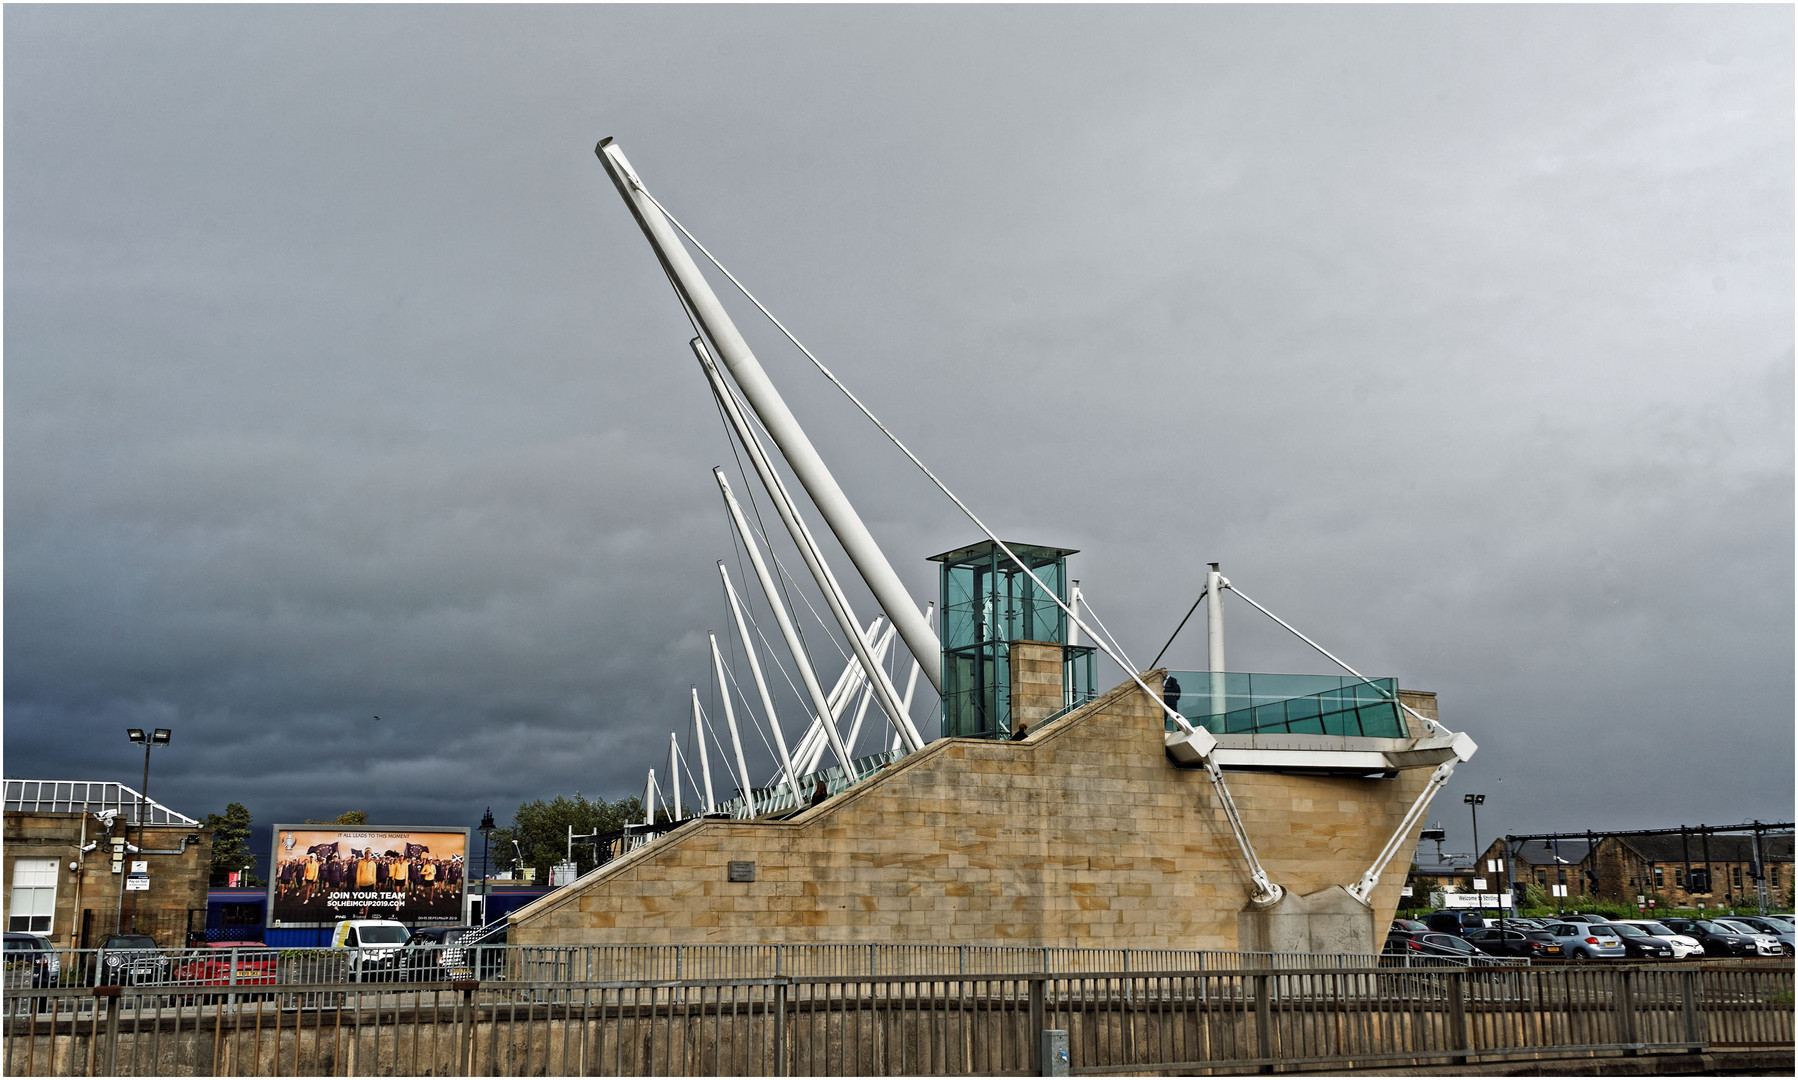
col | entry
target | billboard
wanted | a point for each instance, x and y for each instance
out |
(323, 873)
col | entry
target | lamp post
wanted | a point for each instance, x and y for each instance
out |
(157, 737)
(1473, 804)
(487, 827)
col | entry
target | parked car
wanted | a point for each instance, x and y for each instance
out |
(476, 955)
(421, 957)
(1683, 946)
(1456, 922)
(1433, 944)
(1781, 931)
(131, 960)
(1765, 944)
(1504, 941)
(30, 961)
(252, 962)
(1718, 940)
(1638, 943)
(1586, 941)
(374, 947)
(1408, 926)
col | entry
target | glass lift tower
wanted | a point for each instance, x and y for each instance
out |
(993, 615)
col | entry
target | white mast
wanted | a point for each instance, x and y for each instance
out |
(808, 549)
(674, 772)
(813, 474)
(730, 721)
(705, 760)
(772, 591)
(1214, 628)
(761, 685)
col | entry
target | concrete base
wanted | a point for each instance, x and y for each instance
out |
(1328, 921)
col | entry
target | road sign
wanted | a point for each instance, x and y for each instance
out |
(137, 884)
(1479, 884)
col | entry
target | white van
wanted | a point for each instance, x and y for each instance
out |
(373, 944)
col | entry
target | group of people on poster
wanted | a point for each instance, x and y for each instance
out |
(335, 880)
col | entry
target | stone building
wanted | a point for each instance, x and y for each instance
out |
(59, 881)
(1672, 867)
(1085, 833)
(1544, 863)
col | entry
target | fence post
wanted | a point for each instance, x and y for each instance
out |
(1264, 1020)
(1623, 998)
(1457, 1012)
(1688, 993)
(111, 994)
(465, 1043)
(1038, 1065)
(780, 1028)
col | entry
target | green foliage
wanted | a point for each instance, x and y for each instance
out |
(541, 829)
(231, 845)
(348, 817)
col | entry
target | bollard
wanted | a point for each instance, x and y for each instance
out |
(1054, 1053)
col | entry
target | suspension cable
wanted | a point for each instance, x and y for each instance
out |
(1177, 629)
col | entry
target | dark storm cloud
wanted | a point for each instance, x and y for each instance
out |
(340, 384)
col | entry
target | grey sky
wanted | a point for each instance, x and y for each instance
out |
(340, 383)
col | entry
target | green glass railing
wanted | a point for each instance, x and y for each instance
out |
(1243, 703)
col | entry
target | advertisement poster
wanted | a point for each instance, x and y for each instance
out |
(323, 873)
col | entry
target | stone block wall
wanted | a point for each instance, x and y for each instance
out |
(86, 881)
(1085, 834)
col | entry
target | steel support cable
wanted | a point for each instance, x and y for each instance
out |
(1433, 725)
(1265, 887)
(1177, 629)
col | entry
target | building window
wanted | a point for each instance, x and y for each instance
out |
(1659, 878)
(1736, 876)
(33, 896)
(1560, 876)
(1679, 876)
(1541, 877)
(1773, 875)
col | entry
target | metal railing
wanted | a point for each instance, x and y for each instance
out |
(1245, 1019)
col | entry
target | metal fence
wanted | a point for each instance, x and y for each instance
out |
(1246, 1019)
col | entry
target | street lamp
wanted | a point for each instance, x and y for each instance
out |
(157, 737)
(487, 828)
(1473, 805)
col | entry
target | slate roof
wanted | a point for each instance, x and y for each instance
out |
(1543, 852)
(1731, 847)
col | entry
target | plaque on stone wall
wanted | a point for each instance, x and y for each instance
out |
(742, 871)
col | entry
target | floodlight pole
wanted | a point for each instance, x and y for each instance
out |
(762, 396)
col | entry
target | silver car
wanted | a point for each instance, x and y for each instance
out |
(1764, 943)
(1586, 941)
(1781, 931)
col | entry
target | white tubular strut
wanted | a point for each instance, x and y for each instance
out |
(674, 772)
(814, 558)
(649, 799)
(761, 686)
(787, 630)
(705, 760)
(794, 444)
(730, 721)
(1362, 889)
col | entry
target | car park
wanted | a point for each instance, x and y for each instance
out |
(1505, 941)
(131, 960)
(1639, 944)
(1682, 945)
(1717, 939)
(1586, 941)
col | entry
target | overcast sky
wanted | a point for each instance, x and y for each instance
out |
(339, 381)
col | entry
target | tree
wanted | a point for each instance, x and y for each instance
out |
(541, 829)
(348, 817)
(231, 845)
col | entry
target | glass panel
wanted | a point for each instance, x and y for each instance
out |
(1237, 702)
